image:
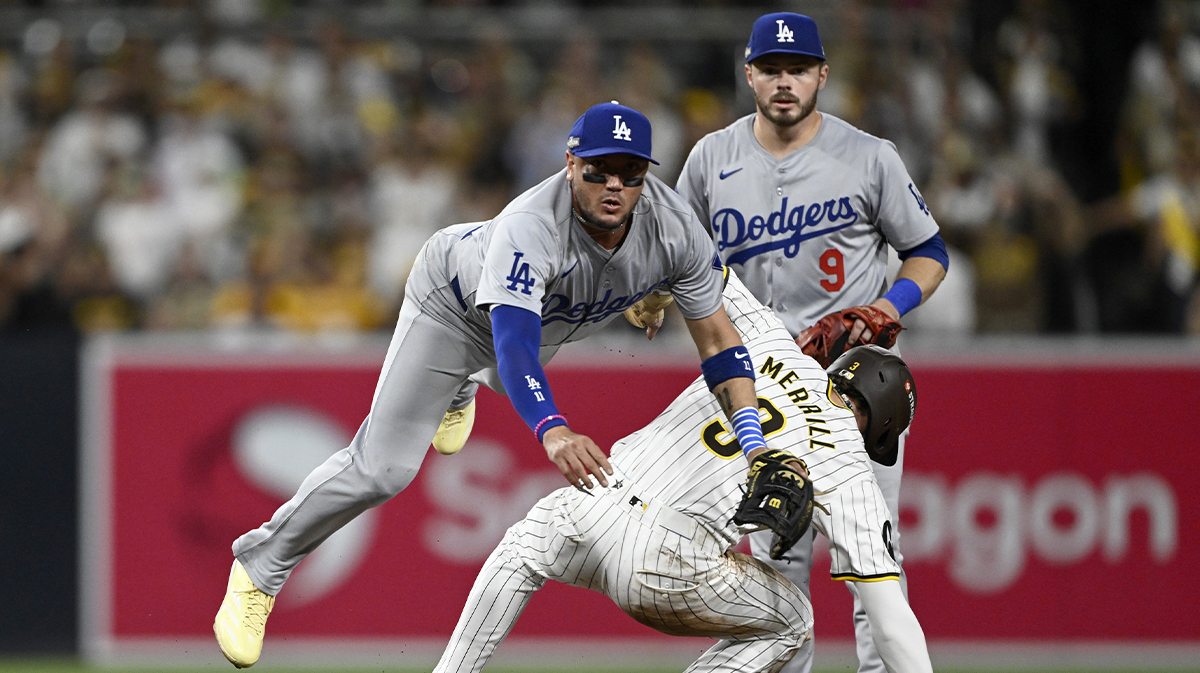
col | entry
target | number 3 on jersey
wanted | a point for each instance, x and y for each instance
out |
(713, 432)
(832, 264)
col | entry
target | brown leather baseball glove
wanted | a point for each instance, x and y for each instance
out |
(830, 336)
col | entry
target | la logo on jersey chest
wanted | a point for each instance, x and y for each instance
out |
(785, 34)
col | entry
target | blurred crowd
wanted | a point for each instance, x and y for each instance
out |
(263, 179)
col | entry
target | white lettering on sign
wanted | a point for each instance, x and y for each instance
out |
(987, 527)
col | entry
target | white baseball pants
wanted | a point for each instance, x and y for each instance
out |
(661, 567)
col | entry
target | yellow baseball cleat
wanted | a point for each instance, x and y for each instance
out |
(454, 430)
(242, 619)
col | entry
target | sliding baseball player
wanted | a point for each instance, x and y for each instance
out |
(658, 538)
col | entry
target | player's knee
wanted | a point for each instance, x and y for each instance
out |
(385, 473)
(799, 630)
(384, 479)
(797, 636)
(390, 480)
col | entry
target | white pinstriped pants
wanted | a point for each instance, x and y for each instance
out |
(796, 565)
(661, 567)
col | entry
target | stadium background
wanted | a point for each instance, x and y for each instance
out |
(238, 186)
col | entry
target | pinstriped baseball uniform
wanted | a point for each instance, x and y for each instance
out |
(534, 255)
(657, 540)
(808, 234)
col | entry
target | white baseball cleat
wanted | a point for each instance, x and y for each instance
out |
(454, 430)
(242, 619)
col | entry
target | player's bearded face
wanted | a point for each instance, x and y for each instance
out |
(605, 205)
(786, 109)
(786, 88)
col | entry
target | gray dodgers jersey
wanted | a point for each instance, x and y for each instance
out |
(807, 233)
(535, 255)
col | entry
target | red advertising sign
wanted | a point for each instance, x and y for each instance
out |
(1039, 504)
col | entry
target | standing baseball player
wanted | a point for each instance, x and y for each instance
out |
(803, 206)
(657, 540)
(556, 265)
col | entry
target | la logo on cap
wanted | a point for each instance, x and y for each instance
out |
(611, 128)
(785, 34)
(621, 129)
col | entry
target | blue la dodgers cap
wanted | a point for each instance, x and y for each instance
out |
(784, 33)
(610, 128)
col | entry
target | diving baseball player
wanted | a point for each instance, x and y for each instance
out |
(556, 265)
(657, 540)
(803, 206)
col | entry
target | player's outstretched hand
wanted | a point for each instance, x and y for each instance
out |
(576, 456)
(649, 312)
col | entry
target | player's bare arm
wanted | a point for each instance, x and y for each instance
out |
(730, 376)
(714, 335)
(927, 273)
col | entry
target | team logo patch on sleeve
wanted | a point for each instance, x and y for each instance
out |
(920, 201)
(520, 275)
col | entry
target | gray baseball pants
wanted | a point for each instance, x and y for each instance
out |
(430, 361)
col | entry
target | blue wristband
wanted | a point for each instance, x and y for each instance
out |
(728, 364)
(748, 429)
(905, 295)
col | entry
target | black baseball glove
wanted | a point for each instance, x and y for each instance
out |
(778, 496)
